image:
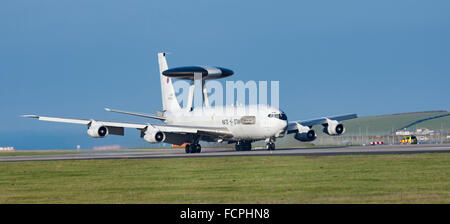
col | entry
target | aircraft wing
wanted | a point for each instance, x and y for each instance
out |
(87, 122)
(173, 129)
(136, 114)
(292, 126)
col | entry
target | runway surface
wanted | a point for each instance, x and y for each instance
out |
(220, 152)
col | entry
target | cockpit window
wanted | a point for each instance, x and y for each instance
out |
(281, 116)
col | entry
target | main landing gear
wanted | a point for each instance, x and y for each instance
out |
(193, 148)
(243, 146)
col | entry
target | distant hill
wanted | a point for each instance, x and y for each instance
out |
(380, 125)
(387, 124)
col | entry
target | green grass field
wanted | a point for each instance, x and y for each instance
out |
(418, 178)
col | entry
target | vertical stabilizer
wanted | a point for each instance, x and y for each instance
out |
(169, 99)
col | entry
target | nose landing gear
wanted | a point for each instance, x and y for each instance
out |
(270, 144)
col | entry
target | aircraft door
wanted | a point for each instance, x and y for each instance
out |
(246, 125)
(266, 123)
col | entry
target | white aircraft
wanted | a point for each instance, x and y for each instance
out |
(241, 125)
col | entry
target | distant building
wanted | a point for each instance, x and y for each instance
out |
(6, 149)
(403, 133)
(424, 131)
(419, 131)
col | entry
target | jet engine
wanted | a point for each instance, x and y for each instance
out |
(305, 134)
(97, 130)
(333, 127)
(153, 135)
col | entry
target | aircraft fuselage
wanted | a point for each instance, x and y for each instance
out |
(253, 122)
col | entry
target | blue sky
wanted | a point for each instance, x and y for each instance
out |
(73, 58)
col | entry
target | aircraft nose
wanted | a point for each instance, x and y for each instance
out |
(284, 125)
(282, 129)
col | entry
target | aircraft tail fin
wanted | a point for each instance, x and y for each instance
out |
(169, 99)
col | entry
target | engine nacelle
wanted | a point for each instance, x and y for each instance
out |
(333, 127)
(305, 134)
(96, 130)
(153, 135)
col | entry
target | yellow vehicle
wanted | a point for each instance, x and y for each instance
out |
(409, 139)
